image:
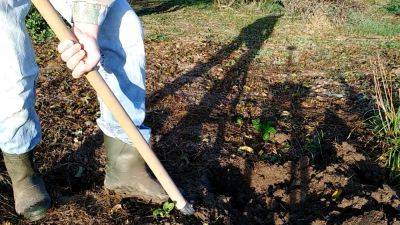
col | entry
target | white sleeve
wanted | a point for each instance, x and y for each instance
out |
(90, 11)
(99, 2)
(64, 7)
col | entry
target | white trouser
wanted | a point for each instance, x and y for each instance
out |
(122, 67)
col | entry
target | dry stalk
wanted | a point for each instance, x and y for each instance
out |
(384, 86)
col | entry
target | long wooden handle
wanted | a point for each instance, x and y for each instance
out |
(104, 92)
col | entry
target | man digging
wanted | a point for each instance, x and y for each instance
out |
(110, 39)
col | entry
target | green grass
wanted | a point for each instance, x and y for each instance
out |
(391, 44)
(201, 19)
(368, 25)
(393, 7)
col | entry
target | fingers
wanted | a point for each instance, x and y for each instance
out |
(79, 70)
(70, 52)
(74, 60)
(80, 57)
(64, 45)
(84, 67)
(73, 54)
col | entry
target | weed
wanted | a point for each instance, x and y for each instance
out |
(394, 157)
(158, 37)
(37, 27)
(265, 128)
(387, 121)
(239, 120)
(165, 210)
(387, 101)
(313, 145)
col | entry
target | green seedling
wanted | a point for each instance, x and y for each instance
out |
(79, 173)
(266, 129)
(165, 211)
(158, 37)
(314, 145)
(239, 120)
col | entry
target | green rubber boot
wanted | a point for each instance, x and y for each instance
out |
(126, 173)
(30, 195)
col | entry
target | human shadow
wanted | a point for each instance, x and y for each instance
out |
(66, 175)
(288, 97)
(216, 107)
(317, 151)
(146, 8)
(252, 36)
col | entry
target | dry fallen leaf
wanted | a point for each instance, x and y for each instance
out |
(246, 149)
(116, 208)
(336, 194)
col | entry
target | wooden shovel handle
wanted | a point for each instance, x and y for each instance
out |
(104, 92)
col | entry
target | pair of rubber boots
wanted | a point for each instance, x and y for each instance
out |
(126, 174)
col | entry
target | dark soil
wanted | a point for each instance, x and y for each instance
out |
(320, 167)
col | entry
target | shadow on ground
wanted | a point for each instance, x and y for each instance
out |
(216, 107)
(288, 183)
(144, 7)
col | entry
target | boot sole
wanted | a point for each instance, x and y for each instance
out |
(128, 193)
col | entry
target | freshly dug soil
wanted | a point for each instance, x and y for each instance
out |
(319, 168)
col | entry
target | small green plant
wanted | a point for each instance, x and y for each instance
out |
(313, 145)
(266, 129)
(239, 120)
(165, 210)
(37, 27)
(158, 37)
(276, 7)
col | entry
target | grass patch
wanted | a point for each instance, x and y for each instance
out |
(159, 7)
(173, 18)
(387, 120)
(393, 7)
(363, 25)
(391, 45)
